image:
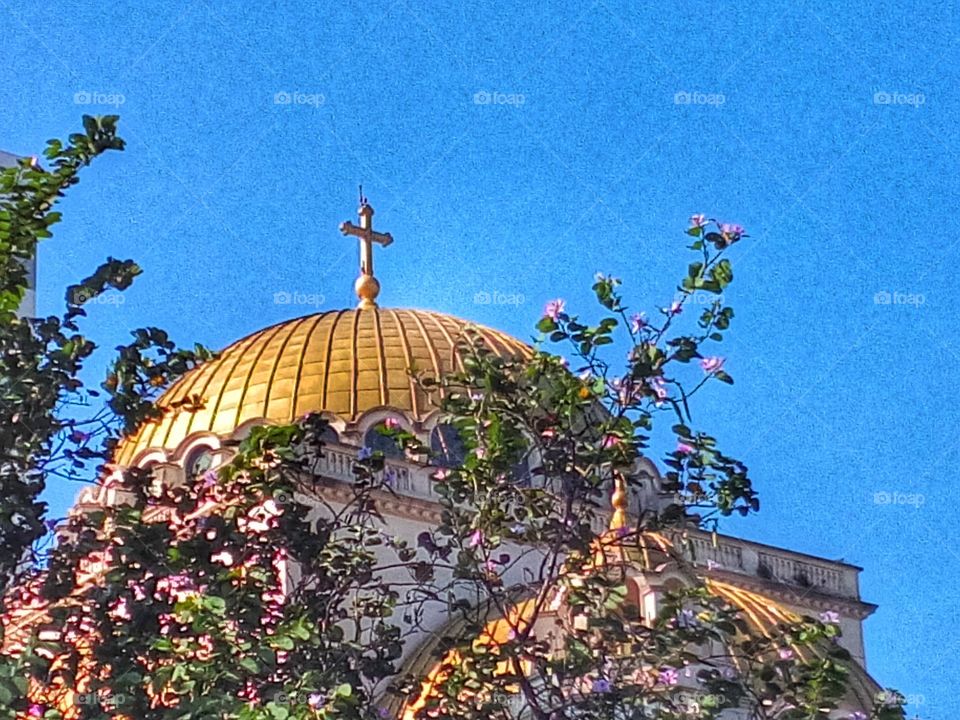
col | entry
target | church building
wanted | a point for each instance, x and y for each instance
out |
(352, 365)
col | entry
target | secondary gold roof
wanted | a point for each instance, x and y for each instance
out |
(344, 362)
(763, 615)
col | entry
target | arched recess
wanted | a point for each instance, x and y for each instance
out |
(369, 428)
(447, 447)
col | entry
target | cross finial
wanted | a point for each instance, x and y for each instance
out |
(367, 286)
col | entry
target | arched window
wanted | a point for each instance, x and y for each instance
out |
(377, 441)
(198, 461)
(449, 451)
(330, 436)
(447, 446)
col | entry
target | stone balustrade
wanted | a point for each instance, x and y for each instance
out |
(767, 563)
(720, 553)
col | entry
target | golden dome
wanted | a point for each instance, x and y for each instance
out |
(343, 362)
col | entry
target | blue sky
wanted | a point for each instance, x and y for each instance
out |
(518, 149)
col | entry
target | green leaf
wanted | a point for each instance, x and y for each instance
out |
(546, 325)
(278, 712)
(284, 642)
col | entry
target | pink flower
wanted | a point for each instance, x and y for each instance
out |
(610, 441)
(698, 220)
(676, 307)
(35, 710)
(476, 538)
(638, 321)
(137, 588)
(626, 391)
(830, 617)
(249, 693)
(178, 587)
(441, 475)
(480, 452)
(119, 609)
(658, 385)
(711, 365)
(391, 424)
(554, 309)
(786, 654)
(669, 676)
(204, 651)
(685, 449)
(732, 230)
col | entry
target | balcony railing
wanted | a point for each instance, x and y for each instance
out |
(740, 557)
(748, 559)
(722, 554)
(338, 465)
(791, 571)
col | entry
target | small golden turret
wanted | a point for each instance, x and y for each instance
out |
(619, 500)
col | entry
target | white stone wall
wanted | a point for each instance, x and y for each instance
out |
(805, 584)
